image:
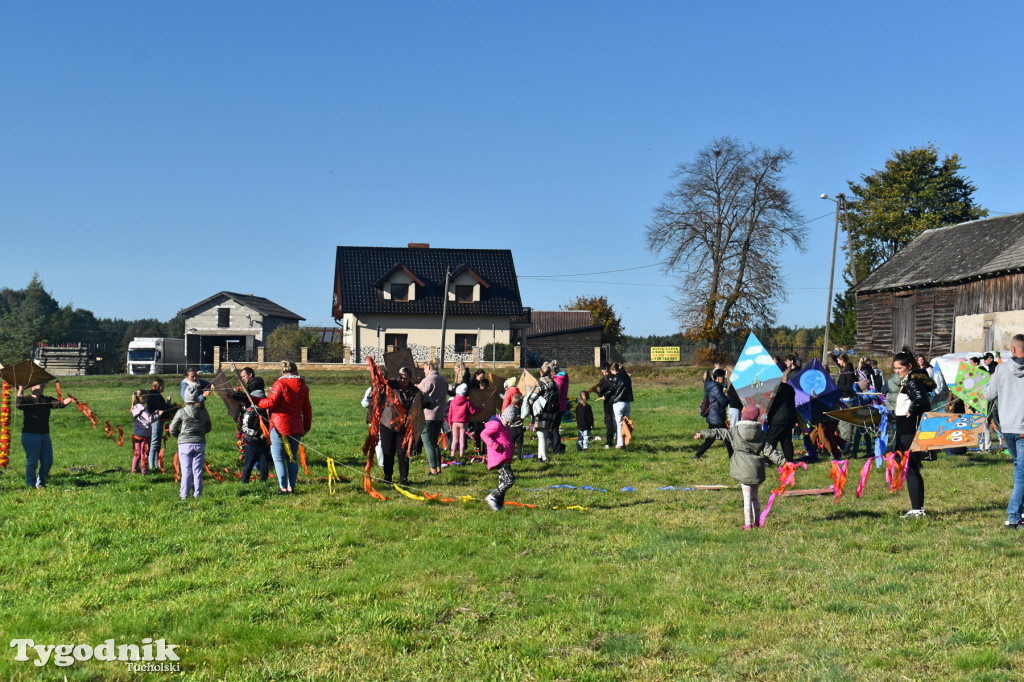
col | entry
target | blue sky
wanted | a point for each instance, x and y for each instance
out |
(152, 154)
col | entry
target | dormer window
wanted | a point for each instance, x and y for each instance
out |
(400, 292)
(464, 293)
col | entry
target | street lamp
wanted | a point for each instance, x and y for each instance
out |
(840, 202)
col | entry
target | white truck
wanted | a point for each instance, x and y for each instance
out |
(152, 355)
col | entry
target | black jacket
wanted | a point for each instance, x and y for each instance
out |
(845, 381)
(734, 398)
(715, 394)
(604, 390)
(783, 409)
(584, 417)
(622, 388)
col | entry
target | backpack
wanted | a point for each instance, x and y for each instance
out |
(705, 406)
(251, 430)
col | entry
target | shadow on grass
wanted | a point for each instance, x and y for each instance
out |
(622, 505)
(852, 514)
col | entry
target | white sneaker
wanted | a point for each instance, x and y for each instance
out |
(492, 503)
(914, 514)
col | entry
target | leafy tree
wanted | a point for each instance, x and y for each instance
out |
(32, 316)
(721, 229)
(602, 313)
(286, 343)
(914, 191)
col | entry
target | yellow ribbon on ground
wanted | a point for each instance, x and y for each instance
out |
(574, 507)
(407, 493)
(332, 475)
(467, 498)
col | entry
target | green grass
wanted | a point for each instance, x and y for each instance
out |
(642, 585)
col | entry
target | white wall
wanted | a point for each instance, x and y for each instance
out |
(970, 330)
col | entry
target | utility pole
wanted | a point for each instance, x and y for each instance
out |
(840, 201)
(444, 312)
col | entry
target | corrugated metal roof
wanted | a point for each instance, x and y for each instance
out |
(952, 254)
(358, 268)
(546, 321)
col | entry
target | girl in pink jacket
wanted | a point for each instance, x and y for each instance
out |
(459, 412)
(499, 456)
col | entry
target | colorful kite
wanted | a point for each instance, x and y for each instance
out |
(816, 392)
(941, 431)
(756, 376)
(969, 386)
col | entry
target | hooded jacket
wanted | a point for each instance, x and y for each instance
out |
(749, 449)
(716, 416)
(562, 381)
(435, 389)
(288, 402)
(498, 440)
(460, 409)
(191, 424)
(1007, 384)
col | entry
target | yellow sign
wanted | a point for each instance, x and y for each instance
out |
(664, 353)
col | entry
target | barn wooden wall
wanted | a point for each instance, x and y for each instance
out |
(995, 295)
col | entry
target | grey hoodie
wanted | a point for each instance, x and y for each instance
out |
(1007, 384)
(748, 451)
(191, 424)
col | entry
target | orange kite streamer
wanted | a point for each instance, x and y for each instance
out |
(120, 436)
(838, 476)
(213, 473)
(302, 458)
(366, 479)
(5, 425)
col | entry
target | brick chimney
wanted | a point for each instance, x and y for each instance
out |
(417, 245)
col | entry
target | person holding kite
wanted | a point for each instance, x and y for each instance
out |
(35, 432)
(749, 445)
(291, 417)
(1007, 384)
(192, 379)
(399, 428)
(912, 400)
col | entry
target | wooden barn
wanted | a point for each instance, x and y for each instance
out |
(952, 289)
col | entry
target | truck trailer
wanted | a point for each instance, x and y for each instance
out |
(152, 355)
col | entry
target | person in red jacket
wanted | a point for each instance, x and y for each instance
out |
(291, 417)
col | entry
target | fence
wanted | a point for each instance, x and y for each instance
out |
(640, 354)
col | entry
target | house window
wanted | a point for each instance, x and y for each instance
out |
(400, 292)
(223, 317)
(395, 342)
(464, 343)
(463, 293)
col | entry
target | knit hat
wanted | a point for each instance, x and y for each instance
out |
(192, 393)
(509, 414)
(750, 413)
(258, 394)
(463, 389)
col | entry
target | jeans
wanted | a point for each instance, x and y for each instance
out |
(38, 453)
(256, 452)
(192, 457)
(620, 410)
(155, 442)
(583, 440)
(734, 416)
(287, 471)
(431, 431)
(1015, 443)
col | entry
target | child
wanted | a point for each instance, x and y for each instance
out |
(459, 412)
(510, 392)
(584, 421)
(256, 446)
(499, 456)
(477, 427)
(142, 432)
(749, 447)
(515, 423)
(190, 425)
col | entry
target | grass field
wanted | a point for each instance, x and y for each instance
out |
(649, 585)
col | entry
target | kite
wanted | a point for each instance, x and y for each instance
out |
(25, 373)
(969, 386)
(815, 390)
(756, 376)
(941, 431)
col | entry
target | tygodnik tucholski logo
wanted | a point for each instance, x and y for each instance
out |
(150, 656)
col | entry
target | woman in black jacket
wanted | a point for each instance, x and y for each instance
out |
(912, 401)
(781, 418)
(622, 398)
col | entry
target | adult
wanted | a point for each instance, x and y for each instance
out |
(162, 412)
(715, 417)
(911, 402)
(845, 382)
(192, 379)
(544, 418)
(623, 399)
(460, 376)
(35, 432)
(988, 363)
(434, 388)
(1007, 384)
(793, 362)
(781, 418)
(291, 418)
(394, 424)
(252, 382)
(604, 389)
(561, 380)
(735, 404)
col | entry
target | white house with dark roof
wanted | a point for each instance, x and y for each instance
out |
(388, 298)
(237, 323)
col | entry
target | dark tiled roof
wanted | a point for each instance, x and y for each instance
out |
(952, 254)
(261, 305)
(358, 269)
(545, 321)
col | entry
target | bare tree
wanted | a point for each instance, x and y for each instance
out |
(722, 230)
